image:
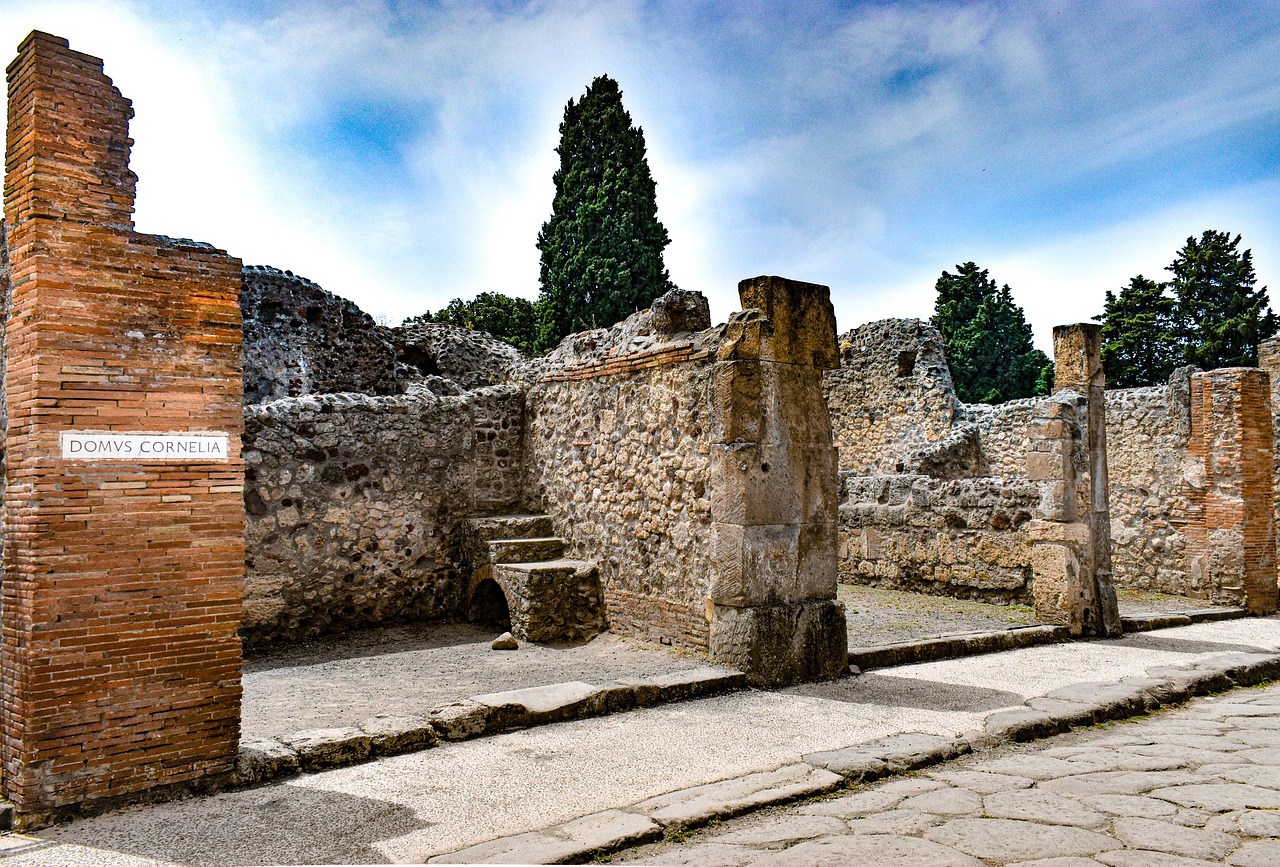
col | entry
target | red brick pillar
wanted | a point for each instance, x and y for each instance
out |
(1231, 537)
(123, 554)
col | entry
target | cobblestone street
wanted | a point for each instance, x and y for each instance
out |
(1192, 786)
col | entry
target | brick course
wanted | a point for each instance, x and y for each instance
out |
(122, 581)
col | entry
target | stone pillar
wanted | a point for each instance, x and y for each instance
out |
(1231, 544)
(124, 522)
(1067, 457)
(774, 489)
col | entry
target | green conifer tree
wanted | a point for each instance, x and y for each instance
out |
(1221, 316)
(1139, 346)
(602, 246)
(987, 339)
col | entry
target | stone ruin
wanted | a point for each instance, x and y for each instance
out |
(702, 485)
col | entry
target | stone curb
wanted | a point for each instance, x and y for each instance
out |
(262, 760)
(1148, 622)
(954, 646)
(975, 643)
(581, 839)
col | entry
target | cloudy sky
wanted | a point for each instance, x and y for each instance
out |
(400, 153)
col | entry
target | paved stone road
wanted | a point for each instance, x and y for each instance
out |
(1195, 786)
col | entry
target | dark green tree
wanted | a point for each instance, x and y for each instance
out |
(1139, 343)
(602, 246)
(1221, 316)
(987, 339)
(1210, 314)
(514, 320)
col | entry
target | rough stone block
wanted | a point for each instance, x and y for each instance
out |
(318, 749)
(392, 734)
(262, 759)
(801, 318)
(780, 644)
(701, 804)
(568, 843)
(544, 704)
(894, 754)
(460, 720)
(684, 685)
(1021, 724)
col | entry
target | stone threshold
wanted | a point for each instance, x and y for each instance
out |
(585, 838)
(263, 760)
(954, 645)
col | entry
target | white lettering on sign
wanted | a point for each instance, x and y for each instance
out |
(164, 447)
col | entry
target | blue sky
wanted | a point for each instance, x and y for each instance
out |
(400, 153)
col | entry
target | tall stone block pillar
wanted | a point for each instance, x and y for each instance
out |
(1232, 538)
(1071, 538)
(774, 489)
(124, 514)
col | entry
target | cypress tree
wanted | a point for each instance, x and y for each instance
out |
(987, 339)
(602, 246)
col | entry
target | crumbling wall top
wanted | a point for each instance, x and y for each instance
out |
(73, 165)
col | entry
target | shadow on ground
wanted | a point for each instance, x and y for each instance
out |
(887, 691)
(271, 825)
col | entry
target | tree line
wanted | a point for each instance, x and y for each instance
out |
(601, 259)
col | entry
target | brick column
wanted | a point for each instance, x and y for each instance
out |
(774, 488)
(123, 573)
(1231, 544)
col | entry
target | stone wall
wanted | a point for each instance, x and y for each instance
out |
(1147, 435)
(891, 395)
(617, 453)
(962, 538)
(356, 504)
(300, 339)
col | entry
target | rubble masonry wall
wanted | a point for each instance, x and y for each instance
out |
(617, 452)
(963, 537)
(355, 504)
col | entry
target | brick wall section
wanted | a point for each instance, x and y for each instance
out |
(122, 582)
(1231, 536)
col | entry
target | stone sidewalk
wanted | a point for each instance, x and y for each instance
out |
(658, 770)
(1194, 786)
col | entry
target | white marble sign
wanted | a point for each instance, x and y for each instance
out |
(170, 448)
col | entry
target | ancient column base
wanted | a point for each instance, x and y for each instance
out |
(777, 645)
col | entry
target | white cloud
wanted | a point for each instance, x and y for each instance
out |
(867, 147)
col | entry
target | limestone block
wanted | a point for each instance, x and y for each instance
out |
(773, 484)
(399, 733)
(1049, 466)
(1056, 568)
(1076, 533)
(801, 317)
(777, 645)
(773, 563)
(765, 401)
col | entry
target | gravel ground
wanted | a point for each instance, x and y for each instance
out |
(411, 669)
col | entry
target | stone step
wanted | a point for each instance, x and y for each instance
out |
(525, 550)
(525, 526)
(561, 565)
